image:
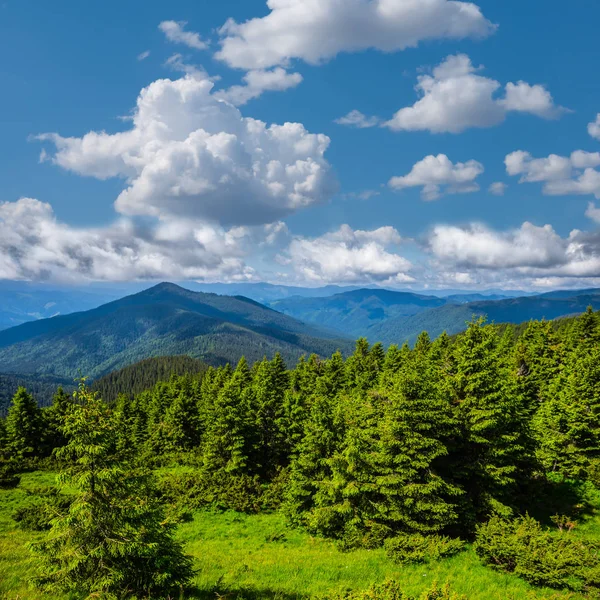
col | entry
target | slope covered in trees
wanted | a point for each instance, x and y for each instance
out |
(164, 320)
(136, 378)
(484, 436)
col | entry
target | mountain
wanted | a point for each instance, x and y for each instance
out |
(266, 293)
(355, 312)
(452, 318)
(22, 304)
(163, 320)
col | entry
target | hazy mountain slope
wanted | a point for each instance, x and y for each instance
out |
(23, 305)
(164, 320)
(355, 312)
(453, 318)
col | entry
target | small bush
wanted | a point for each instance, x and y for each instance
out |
(9, 478)
(390, 590)
(45, 505)
(553, 559)
(407, 549)
(201, 490)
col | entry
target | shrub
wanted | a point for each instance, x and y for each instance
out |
(46, 504)
(390, 590)
(553, 559)
(9, 477)
(417, 548)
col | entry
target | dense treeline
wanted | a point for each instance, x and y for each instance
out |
(145, 374)
(411, 449)
(43, 387)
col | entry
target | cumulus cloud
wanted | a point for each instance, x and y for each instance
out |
(497, 188)
(257, 82)
(349, 256)
(594, 128)
(35, 245)
(438, 175)
(561, 175)
(357, 119)
(455, 98)
(318, 30)
(527, 252)
(593, 212)
(190, 154)
(175, 32)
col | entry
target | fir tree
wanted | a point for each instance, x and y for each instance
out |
(114, 540)
(228, 429)
(23, 427)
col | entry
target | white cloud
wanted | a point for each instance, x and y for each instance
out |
(560, 175)
(533, 99)
(529, 253)
(455, 97)
(593, 212)
(175, 32)
(498, 188)
(437, 175)
(594, 128)
(318, 30)
(257, 82)
(35, 245)
(191, 155)
(143, 55)
(347, 256)
(357, 119)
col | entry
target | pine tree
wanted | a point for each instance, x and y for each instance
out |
(114, 540)
(410, 464)
(23, 427)
(490, 450)
(182, 423)
(310, 468)
(333, 378)
(270, 382)
(228, 429)
(53, 419)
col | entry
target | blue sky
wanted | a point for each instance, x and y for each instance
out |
(74, 69)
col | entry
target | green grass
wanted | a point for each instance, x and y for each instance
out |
(250, 557)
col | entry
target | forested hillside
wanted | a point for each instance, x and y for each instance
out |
(355, 312)
(143, 375)
(164, 320)
(484, 441)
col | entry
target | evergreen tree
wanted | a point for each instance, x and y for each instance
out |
(490, 450)
(228, 428)
(23, 427)
(114, 539)
(414, 494)
(182, 423)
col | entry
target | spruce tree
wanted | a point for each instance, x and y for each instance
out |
(182, 423)
(490, 448)
(414, 492)
(114, 540)
(226, 446)
(23, 427)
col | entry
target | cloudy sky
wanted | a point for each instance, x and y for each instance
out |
(407, 143)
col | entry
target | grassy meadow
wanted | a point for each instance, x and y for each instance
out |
(257, 556)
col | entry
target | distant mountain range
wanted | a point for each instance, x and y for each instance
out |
(170, 320)
(163, 320)
(23, 304)
(396, 317)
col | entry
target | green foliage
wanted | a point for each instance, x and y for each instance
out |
(557, 560)
(23, 427)
(45, 505)
(391, 590)
(417, 548)
(143, 375)
(114, 539)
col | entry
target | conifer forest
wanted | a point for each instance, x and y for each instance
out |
(462, 467)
